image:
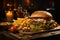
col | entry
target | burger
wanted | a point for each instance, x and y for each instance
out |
(41, 14)
(43, 19)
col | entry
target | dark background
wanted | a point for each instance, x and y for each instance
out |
(57, 11)
(34, 6)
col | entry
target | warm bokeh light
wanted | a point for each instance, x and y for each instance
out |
(8, 4)
(9, 14)
(27, 2)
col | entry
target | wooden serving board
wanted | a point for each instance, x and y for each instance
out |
(43, 31)
(33, 36)
(5, 23)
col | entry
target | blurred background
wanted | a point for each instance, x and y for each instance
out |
(19, 7)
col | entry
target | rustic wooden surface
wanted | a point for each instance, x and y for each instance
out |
(34, 36)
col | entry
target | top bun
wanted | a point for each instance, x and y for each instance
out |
(43, 14)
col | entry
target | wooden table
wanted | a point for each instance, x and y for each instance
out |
(30, 37)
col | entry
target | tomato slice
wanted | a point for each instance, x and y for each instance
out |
(13, 29)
